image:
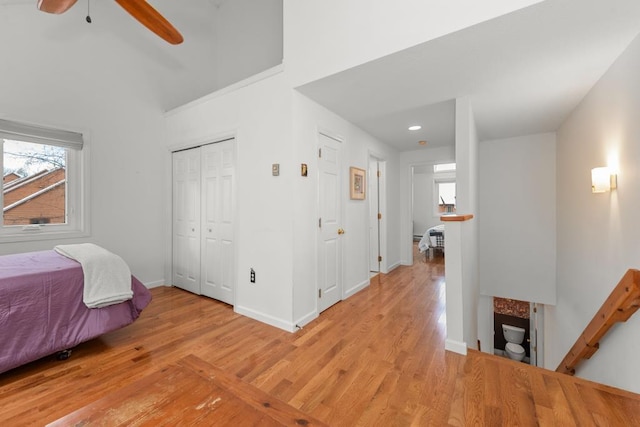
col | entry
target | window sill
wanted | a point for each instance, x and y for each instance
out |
(35, 236)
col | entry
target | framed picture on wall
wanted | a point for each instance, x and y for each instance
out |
(357, 183)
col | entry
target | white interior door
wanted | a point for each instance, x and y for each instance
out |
(330, 231)
(186, 220)
(374, 217)
(218, 189)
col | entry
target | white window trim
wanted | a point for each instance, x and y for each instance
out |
(40, 135)
(78, 157)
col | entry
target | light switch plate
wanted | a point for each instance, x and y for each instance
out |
(275, 169)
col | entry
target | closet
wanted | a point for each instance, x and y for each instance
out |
(203, 216)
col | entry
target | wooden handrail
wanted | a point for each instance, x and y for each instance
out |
(623, 301)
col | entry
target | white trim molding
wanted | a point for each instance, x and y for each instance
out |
(455, 346)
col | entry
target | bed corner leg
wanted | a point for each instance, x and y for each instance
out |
(63, 355)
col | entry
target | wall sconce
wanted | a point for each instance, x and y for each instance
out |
(602, 180)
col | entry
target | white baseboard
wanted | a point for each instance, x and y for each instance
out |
(265, 318)
(155, 284)
(455, 346)
(306, 319)
(357, 288)
(393, 267)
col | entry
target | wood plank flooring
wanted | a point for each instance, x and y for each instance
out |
(190, 392)
(375, 359)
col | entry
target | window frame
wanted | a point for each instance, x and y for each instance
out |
(76, 175)
(441, 178)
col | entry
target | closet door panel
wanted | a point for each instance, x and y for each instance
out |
(186, 220)
(218, 256)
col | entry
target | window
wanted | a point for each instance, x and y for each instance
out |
(444, 167)
(41, 182)
(446, 192)
(444, 188)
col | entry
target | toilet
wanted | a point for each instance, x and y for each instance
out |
(514, 337)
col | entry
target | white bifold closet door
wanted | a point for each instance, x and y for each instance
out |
(203, 212)
(186, 220)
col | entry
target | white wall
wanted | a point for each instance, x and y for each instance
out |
(409, 160)
(423, 210)
(247, 42)
(78, 85)
(598, 234)
(517, 218)
(323, 37)
(259, 114)
(309, 119)
(277, 216)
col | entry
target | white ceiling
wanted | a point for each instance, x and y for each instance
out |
(177, 74)
(207, 60)
(524, 72)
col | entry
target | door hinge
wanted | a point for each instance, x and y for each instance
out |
(319, 222)
(379, 258)
(535, 309)
(379, 174)
(320, 152)
(379, 215)
(319, 293)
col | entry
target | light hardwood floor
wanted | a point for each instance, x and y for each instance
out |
(375, 359)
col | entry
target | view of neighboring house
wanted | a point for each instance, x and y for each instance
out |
(34, 199)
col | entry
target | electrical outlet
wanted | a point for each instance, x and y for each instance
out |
(252, 276)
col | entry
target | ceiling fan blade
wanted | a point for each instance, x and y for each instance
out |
(151, 18)
(55, 6)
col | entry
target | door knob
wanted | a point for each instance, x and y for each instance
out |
(340, 231)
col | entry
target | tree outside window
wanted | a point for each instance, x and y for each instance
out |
(34, 183)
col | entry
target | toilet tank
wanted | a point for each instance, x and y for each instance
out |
(513, 334)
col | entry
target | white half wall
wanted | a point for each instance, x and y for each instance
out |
(598, 234)
(517, 218)
(467, 203)
(323, 37)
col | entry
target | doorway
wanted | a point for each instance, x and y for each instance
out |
(376, 175)
(374, 216)
(529, 317)
(330, 230)
(432, 195)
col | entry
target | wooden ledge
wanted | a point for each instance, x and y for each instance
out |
(466, 217)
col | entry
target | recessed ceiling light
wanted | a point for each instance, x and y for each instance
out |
(415, 127)
(422, 142)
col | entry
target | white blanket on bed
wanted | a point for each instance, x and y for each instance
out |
(429, 241)
(107, 278)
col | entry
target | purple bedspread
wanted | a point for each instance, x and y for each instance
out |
(41, 308)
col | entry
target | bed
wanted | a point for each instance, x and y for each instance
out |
(432, 239)
(42, 310)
